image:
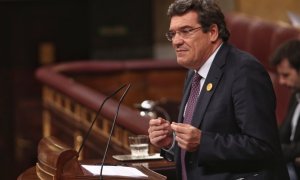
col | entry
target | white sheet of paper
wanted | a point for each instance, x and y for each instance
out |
(115, 171)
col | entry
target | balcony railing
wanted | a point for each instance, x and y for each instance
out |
(73, 92)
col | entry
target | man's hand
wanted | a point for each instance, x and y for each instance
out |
(187, 136)
(160, 133)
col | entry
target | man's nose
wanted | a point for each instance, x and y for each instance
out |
(177, 39)
(282, 81)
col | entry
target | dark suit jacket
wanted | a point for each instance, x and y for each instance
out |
(290, 149)
(237, 120)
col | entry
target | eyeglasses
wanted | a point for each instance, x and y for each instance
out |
(184, 32)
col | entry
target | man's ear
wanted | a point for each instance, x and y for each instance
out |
(214, 33)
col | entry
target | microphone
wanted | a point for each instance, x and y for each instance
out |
(112, 129)
(98, 112)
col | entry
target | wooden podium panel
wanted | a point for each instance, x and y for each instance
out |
(58, 162)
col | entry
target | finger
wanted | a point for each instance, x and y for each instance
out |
(189, 142)
(157, 139)
(157, 122)
(162, 119)
(154, 134)
(160, 127)
(191, 135)
(154, 122)
(158, 130)
(181, 142)
(184, 139)
(188, 146)
(180, 128)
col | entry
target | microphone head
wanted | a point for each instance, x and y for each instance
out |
(146, 105)
(147, 108)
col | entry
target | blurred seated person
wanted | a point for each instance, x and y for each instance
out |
(286, 60)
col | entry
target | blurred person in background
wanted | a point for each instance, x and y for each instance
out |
(286, 60)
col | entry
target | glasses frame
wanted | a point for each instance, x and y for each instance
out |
(184, 32)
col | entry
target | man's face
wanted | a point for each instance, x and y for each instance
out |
(193, 48)
(288, 76)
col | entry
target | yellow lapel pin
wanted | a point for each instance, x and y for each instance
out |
(209, 87)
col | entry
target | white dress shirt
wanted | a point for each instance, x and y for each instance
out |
(295, 118)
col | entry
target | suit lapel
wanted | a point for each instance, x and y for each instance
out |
(213, 78)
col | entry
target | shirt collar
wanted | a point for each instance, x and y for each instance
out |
(203, 71)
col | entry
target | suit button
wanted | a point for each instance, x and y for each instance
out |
(190, 162)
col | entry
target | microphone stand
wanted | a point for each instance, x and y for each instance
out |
(98, 112)
(112, 129)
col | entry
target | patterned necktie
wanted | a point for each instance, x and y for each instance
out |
(189, 111)
(194, 93)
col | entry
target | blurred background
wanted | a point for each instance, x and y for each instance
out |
(34, 33)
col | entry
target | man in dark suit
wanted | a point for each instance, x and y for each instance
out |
(286, 60)
(227, 130)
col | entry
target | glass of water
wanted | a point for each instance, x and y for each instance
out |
(139, 145)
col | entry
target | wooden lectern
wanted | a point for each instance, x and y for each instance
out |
(56, 160)
(59, 162)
